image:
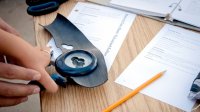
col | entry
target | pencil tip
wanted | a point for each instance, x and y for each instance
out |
(163, 71)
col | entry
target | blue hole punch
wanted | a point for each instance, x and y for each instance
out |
(44, 8)
(60, 80)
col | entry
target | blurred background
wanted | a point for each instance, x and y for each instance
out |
(14, 13)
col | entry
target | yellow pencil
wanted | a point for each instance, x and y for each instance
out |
(134, 92)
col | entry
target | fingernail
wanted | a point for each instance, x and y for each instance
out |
(36, 77)
(36, 90)
(24, 99)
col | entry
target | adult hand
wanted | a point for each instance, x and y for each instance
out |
(15, 93)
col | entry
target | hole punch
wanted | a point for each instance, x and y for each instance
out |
(78, 59)
(78, 62)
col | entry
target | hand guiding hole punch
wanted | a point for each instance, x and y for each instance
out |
(80, 60)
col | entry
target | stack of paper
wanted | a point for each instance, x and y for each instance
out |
(173, 49)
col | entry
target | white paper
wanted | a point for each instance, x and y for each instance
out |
(188, 11)
(148, 7)
(173, 49)
(106, 28)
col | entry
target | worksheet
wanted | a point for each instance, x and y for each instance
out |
(105, 28)
(175, 50)
(188, 11)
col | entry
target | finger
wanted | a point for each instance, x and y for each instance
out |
(17, 90)
(47, 82)
(45, 55)
(11, 71)
(5, 101)
(45, 51)
(46, 48)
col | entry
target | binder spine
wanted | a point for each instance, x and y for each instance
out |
(168, 17)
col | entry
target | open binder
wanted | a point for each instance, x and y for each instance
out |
(184, 13)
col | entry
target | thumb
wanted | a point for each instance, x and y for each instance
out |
(47, 82)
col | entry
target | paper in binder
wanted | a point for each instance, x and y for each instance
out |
(184, 13)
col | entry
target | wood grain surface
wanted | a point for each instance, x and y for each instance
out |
(74, 98)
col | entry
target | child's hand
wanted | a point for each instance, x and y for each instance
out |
(27, 56)
(27, 63)
(15, 93)
(39, 60)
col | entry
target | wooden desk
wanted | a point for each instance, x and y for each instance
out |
(74, 98)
